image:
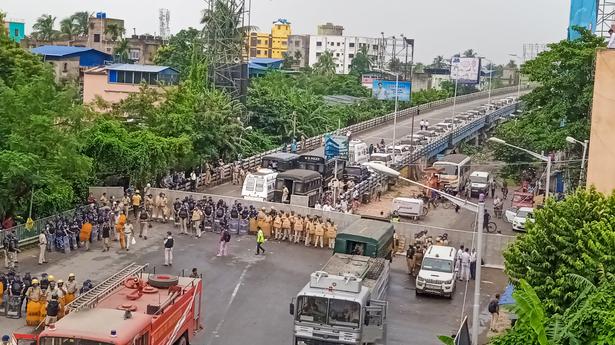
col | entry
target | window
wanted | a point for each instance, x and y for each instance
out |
(65, 67)
(318, 54)
(351, 44)
(97, 38)
(138, 77)
(438, 265)
(312, 309)
(351, 56)
(258, 52)
(121, 76)
(16, 32)
(332, 44)
(108, 50)
(318, 43)
(260, 183)
(344, 313)
(69, 341)
(92, 26)
(284, 43)
(142, 340)
(375, 47)
(135, 54)
(337, 54)
(297, 43)
(339, 44)
(250, 183)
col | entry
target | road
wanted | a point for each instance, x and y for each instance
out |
(404, 127)
(246, 296)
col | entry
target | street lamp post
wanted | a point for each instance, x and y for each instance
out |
(585, 145)
(490, 78)
(519, 74)
(533, 154)
(395, 111)
(479, 209)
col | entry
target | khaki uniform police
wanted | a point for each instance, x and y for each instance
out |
(286, 224)
(277, 227)
(319, 232)
(298, 229)
(309, 231)
(331, 234)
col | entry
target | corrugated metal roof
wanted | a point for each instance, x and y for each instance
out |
(265, 61)
(62, 50)
(139, 68)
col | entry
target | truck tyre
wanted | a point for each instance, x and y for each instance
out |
(183, 340)
(162, 281)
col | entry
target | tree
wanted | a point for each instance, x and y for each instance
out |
(43, 28)
(361, 63)
(326, 64)
(81, 20)
(116, 31)
(511, 64)
(121, 51)
(289, 61)
(560, 104)
(68, 28)
(574, 236)
(177, 53)
(439, 62)
(418, 68)
(469, 53)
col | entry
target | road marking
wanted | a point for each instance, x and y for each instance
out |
(228, 305)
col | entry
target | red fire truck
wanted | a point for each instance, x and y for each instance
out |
(129, 308)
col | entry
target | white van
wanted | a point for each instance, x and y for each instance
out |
(259, 186)
(381, 158)
(437, 275)
(358, 152)
(409, 207)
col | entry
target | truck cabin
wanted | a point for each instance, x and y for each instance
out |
(304, 187)
(280, 161)
(326, 168)
(456, 170)
(367, 237)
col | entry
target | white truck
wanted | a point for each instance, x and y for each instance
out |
(343, 303)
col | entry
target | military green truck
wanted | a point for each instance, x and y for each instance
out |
(371, 237)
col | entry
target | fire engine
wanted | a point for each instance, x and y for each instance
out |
(131, 307)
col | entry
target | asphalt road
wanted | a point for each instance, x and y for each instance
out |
(246, 296)
(404, 127)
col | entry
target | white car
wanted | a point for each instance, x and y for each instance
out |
(437, 275)
(519, 217)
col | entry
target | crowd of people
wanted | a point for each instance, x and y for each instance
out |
(203, 175)
(43, 299)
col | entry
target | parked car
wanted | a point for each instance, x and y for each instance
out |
(357, 173)
(519, 217)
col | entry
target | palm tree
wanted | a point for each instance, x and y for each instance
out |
(121, 51)
(469, 53)
(115, 31)
(81, 21)
(362, 62)
(68, 28)
(326, 64)
(43, 28)
(439, 62)
(511, 64)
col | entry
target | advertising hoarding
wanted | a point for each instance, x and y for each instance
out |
(583, 13)
(367, 80)
(384, 90)
(466, 70)
(336, 146)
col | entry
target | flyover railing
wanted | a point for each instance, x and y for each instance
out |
(224, 174)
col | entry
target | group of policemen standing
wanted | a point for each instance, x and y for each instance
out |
(44, 298)
(295, 228)
(416, 251)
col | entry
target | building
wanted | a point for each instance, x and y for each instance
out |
(600, 164)
(343, 48)
(510, 76)
(116, 82)
(98, 35)
(16, 29)
(299, 50)
(329, 29)
(70, 62)
(270, 45)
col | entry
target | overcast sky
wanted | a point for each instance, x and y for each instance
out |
(494, 28)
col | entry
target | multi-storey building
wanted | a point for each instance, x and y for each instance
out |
(16, 29)
(270, 45)
(343, 49)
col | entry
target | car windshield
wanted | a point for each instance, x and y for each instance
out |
(448, 169)
(250, 181)
(312, 309)
(478, 179)
(344, 313)
(353, 171)
(259, 184)
(380, 158)
(524, 214)
(69, 341)
(437, 265)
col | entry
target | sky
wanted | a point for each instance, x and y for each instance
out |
(493, 28)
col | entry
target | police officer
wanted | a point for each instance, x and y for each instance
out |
(53, 308)
(34, 295)
(331, 233)
(236, 173)
(144, 218)
(286, 226)
(277, 227)
(309, 230)
(183, 218)
(71, 288)
(410, 258)
(319, 232)
(298, 228)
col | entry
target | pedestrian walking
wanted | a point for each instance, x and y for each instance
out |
(84, 235)
(260, 239)
(143, 223)
(168, 249)
(494, 310)
(410, 259)
(106, 233)
(42, 245)
(504, 189)
(197, 217)
(465, 265)
(492, 187)
(225, 238)
(128, 234)
(183, 219)
(136, 203)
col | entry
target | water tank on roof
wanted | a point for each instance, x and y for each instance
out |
(101, 15)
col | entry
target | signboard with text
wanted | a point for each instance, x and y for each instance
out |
(385, 90)
(465, 70)
(336, 146)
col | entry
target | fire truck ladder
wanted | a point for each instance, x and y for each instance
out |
(91, 298)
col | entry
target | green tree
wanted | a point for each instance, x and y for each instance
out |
(44, 27)
(115, 30)
(121, 51)
(511, 64)
(560, 104)
(439, 62)
(418, 67)
(326, 64)
(361, 63)
(289, 61)
(469, 53)
(177, 53)
(81, 20)
(68, 28)
(574, 236)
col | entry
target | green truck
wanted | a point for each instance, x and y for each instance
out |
(371, 237)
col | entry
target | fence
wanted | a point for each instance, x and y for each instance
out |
(30, 236)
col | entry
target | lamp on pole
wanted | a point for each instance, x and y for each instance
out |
(520, 60)
(396, 109)
(479, 209)
(585, 145)
(533, 154)
(490, 77)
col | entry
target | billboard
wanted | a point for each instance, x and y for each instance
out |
(367, 80)
(384, 90)
(336, 146)
(583, 13)
(466, 70)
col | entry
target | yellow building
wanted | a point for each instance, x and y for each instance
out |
(270, 45)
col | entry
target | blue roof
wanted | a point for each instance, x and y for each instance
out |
(139, 68)
(60, 51)
(256, 66)
(265, 61)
